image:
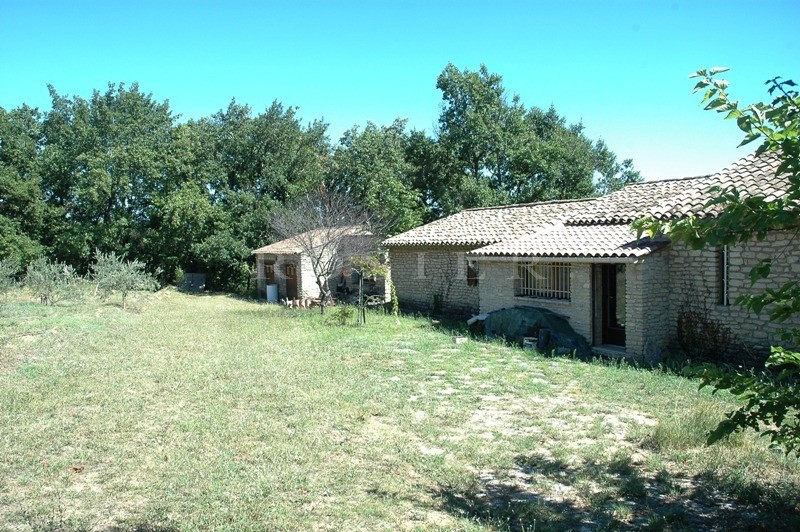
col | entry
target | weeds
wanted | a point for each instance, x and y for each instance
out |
(340, 315)
(686, 429)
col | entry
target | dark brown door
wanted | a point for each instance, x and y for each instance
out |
(290, 272)
(613, 297)
(269, 274)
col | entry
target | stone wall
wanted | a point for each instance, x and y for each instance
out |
(648, 327)
(695, 281)
(433, 278)
(279, 262)
(306, 280)
(658, 287)
(497, 288)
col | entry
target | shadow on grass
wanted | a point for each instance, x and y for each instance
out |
(549, 494)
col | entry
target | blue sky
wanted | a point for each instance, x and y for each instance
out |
(619, 67)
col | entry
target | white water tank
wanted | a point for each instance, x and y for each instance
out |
(272, 293)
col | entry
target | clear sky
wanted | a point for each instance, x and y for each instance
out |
(619, 67)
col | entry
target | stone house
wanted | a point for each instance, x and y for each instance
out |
(582, 260)
(287, 264)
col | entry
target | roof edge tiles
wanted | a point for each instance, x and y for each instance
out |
(662, 199)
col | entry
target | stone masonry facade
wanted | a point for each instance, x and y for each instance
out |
(433, 279)
(696, 280)
(498, 288)
(659, 286)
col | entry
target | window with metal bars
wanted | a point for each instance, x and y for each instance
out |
(543, 279)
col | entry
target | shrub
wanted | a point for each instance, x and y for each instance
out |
(702, 338)
(113, 273)
(51, 281)
(8, 270)
(340, 315)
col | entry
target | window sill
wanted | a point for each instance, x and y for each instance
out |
(542, 300)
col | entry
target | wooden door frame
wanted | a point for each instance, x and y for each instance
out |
(291, 280)
(611, 332)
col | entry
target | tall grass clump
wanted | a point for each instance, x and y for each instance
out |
(686, 429)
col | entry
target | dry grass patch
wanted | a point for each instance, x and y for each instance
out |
(203, 412)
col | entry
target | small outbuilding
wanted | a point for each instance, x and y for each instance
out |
(288, 267)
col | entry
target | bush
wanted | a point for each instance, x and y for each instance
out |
(702, 338)
(8, 270)
(114, 274)
(51, 281)
(340, 315)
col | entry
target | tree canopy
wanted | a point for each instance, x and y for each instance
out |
(119, 172)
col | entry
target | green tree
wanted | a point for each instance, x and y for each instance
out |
(495, 151)
(113, 274)
(104, 162)
(553, 160)
(271, 155)
(223, 256)
(479, 128)
(182, 218)
(432, 175)
(8, 271)
(613, 175)
(370, 167)
(51, 281)
(771, 400)
(23, 216)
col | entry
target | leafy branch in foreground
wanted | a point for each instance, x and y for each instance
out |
(113, 273)
(771, 402)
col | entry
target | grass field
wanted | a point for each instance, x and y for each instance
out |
(197, 412)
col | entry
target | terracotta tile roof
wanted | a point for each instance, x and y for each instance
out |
(283, 247)
(671, 198)
(292, 246)
(559, 240)
(488, 225)
(751, 176)
(631, 202)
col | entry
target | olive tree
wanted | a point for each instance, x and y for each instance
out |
(51, 281)
(112, 273)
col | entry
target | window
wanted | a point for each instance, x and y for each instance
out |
(722, 276)
(543, 279)
(472, 275)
